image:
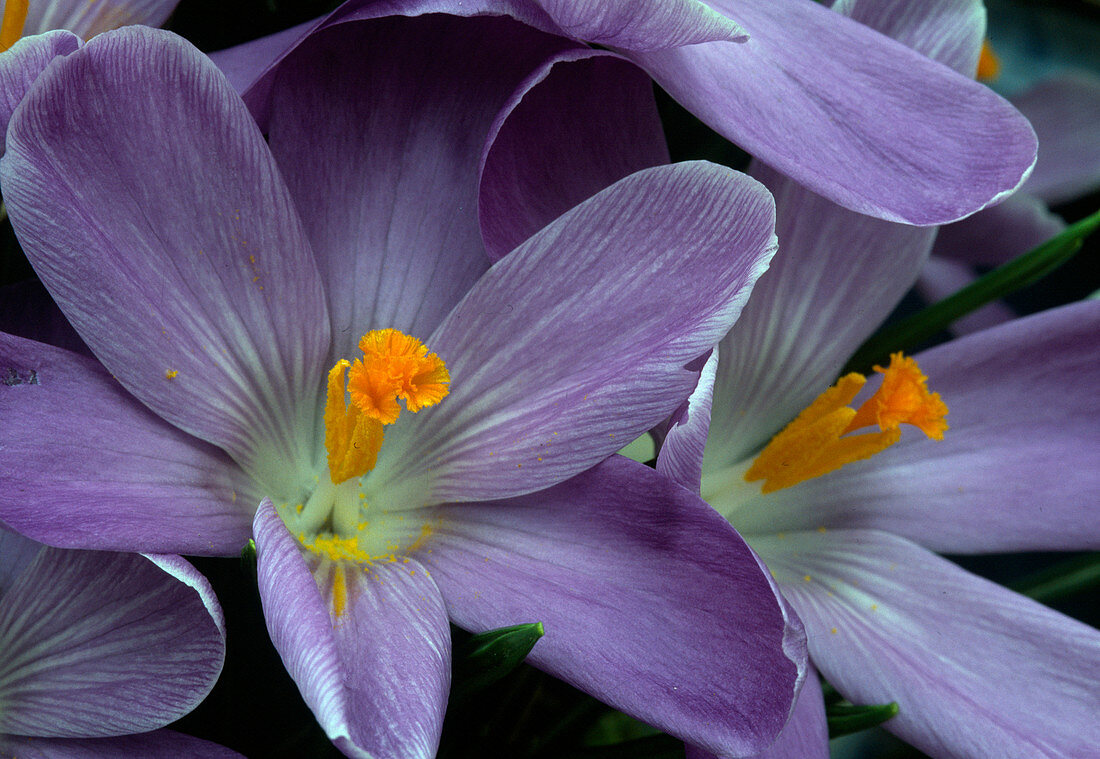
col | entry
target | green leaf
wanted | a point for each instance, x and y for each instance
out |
(248, 558)
(1002, 281)
(845, 718)
(489, 656)
(1063, 579)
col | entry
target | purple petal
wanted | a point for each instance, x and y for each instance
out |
(160, 744)
(383, 160)
(88, 19)
(22, 64)
(375, 672)
(650, 601)
(806, 734)
(976, 670)
(16, 554)
(836, 276)
(1065, 111)
(584, 120)
(244, 64)
(680, 457)
(180, 260)
(947, 31)
(93, 468)
(942, 277)
(99, 644)
(997, 235)
(858, 118)
(559, 355)
(1017, 470)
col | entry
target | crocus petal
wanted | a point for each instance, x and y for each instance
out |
(584, 120)
(948, 31)
(374, 666)
(1065, 111)
(856, 117)
(942, 277)
(976, 670)
(85, 465)
(88, 19)
(150, 207)
(680, 457)
(806, 734)
(558, 356)
(1015, 472)
(16, 554)
(835, 278)
(22, 64)
(382, 160)
(27, 310)
(997, 235)
(650, 601)
(99, 644)
(160, 744)
(243, 64)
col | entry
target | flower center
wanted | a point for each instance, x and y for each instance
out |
(336, 521)
(989, 65)
(11, 28)
(818, 440)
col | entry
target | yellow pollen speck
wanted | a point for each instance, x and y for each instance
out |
(818, 441)
(822, 529)
(807, 578)
(874, 607)
(339, 590)
(540, 458)
(833, 631)
(171, 373)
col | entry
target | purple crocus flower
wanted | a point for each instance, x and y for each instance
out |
(218, 277)
(976, 670)
(99, 648)
(859, 118)
(85, 19)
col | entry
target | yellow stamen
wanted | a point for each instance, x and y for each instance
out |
(394, 366)
(989, 65)
(815, 443)
(11, 28)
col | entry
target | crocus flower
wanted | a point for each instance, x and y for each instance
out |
(99, 648)
(859, 118)
(83, 18)
(227, 287)
(847, 520)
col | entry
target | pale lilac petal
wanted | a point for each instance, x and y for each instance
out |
(383, 160)
(88, 19)
(684, 436)
(856, 117)
(1017, 471)
(99, 644)
(22, 64)
(650, 601)
(942, 277)
(976, 670)
(27, 310)
(377, 672)
(87, 466)
(997, 235)
(150, 207)
(836, 276)
(948, 31)
(560, 354)
(806, 734)
(1065, 111)
(160, 744)
(584, 120)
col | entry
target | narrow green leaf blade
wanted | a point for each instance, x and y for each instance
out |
(1002, 281)
(490, 655)
(844, 718)
(1065, 578)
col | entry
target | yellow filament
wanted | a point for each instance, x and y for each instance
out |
(394, 366)
(817, 441)
(11, 28)
(989, 65)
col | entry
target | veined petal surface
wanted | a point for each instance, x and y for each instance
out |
(559, 355)
(88, 19)
(22, 64)
(976, 670)
(650, 601)
(159, 744)
(100, 643)
(370, 654)
(87, 466)
(149, 205)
